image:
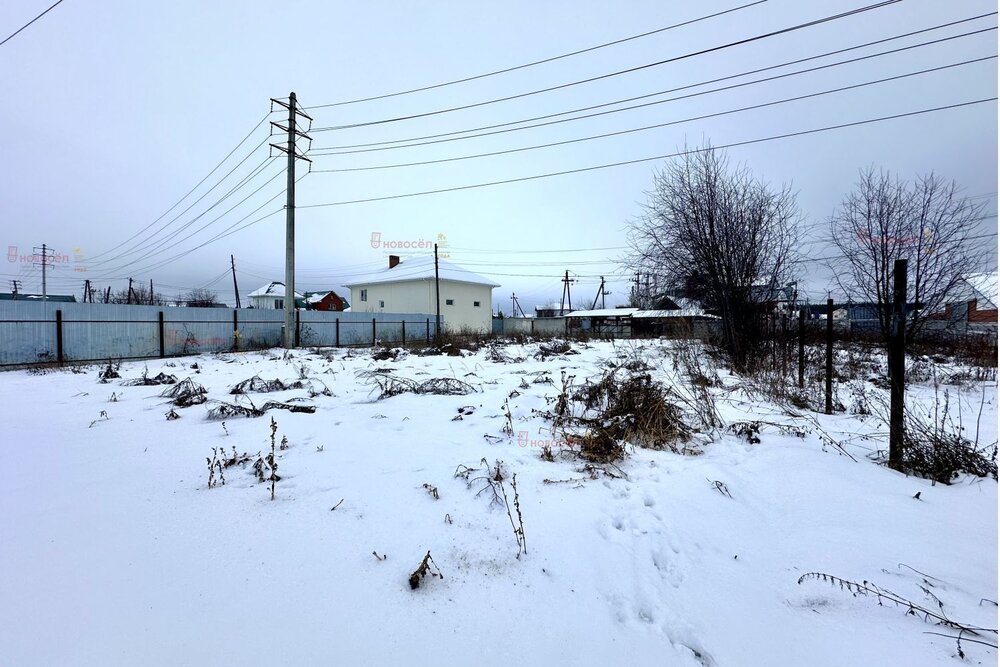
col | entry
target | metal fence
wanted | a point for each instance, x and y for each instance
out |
(33, 332)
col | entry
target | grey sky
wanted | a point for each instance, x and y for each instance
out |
(113, 110)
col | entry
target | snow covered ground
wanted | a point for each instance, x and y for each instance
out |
(114, 551)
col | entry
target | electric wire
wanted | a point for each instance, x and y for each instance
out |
(536, 62)
(630, 70)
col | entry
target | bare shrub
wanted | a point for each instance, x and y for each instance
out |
(427, 567)
(185, 393)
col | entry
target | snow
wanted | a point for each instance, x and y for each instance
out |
(421, 267)
(603, 312)
(272, 289)
(986, 285)
(114, 551)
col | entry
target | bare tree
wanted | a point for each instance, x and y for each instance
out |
(200, 298)
(140, 294)
(719, 234)
(926, 222)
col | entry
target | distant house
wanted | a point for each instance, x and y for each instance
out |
(972, 304)
(328, 301)
(551, 310)
(56, 298)
(270, 296)
(615, 322)
(408, 286)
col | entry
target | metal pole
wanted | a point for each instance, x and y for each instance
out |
(159, 330)
(289, 302)
(829, 356)
(45, 261)
(403, 329)
(897, 364)
(802, 348)
(59, 336)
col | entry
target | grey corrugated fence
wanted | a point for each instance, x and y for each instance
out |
(35, 332)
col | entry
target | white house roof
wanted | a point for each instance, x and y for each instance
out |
(421, 267)
(273, 288)
(985, 284)
(603, 312)
(317, 297)
(683, 312)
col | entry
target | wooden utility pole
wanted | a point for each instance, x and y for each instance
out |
(151, 291)
(829, 356)
(290, 150)
(236, 288)
(600, 295)
(129, 298)
(437, 297)
(513, 304)
(897, 364)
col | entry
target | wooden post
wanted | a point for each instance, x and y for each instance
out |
(403, 328)
(337, 332)
(160, 327)
(897, 364)
(374, 339)
(236, 330)
(59, 336)
(298, 327)
(802, 348)
(428, 330)
(829, 356)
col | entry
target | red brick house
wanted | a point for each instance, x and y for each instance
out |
(973, 301)
(328, 301)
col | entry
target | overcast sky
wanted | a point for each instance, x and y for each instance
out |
(113, 110)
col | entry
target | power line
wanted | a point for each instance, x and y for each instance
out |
(145, 244)
(339, 151)
(206, 225)
(658, 125)
(13, 34)
(648, 159)
(188, 193)
(630, 70)
(536, 62)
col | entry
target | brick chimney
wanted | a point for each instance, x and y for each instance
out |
(393, 261)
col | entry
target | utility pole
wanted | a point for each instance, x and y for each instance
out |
(16, 287)
(897, 364)
(292, 154)
(513, 304)
(236, 288)
(86, 290)
(566, 298)
(437, 297)
(600, 295)
(129, 290)
(635, 294)
(107, 295)
(45, 264)
(151, 291)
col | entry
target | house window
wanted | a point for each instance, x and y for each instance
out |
(449, 302)
(279, 304)
(364, 295)
(381, 304)
(476, 304)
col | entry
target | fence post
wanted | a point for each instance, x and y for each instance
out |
(897, 363)
(236, 331)
(403, 326)
(159, 327)
(337, 340)
(374, 339)
(829, 356)
(428, 330)
(298, 328)
(59, 337)
(802, 348)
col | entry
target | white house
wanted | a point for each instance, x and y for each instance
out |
(270, 296)
(408, 286)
